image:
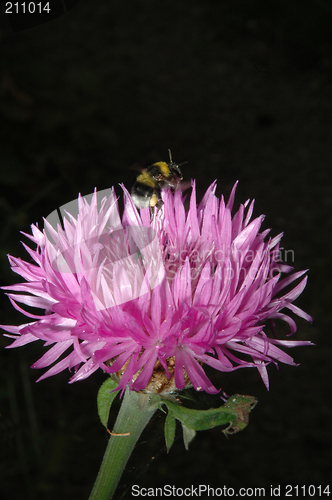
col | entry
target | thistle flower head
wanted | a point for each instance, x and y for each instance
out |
(154, 300)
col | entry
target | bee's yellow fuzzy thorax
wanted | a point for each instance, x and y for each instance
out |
(164, 168)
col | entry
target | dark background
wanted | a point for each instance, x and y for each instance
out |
(241, 90)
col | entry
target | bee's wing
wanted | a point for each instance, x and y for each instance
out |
(184, 185)
(137, 167)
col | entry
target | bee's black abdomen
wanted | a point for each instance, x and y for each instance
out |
(143, 190)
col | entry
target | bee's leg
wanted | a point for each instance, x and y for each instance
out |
(156, 202)
(159, 198)
(152, 213)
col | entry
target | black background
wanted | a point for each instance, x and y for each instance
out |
(239, 89)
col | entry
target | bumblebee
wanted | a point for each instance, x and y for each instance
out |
(146, 192)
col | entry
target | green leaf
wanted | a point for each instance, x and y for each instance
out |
(242, 405)
(235, 413)
(170, 426)
(105, 399)
(188, 436)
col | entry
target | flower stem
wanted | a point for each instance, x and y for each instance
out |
(134, 414)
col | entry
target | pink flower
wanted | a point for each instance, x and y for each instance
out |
(140, 296)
